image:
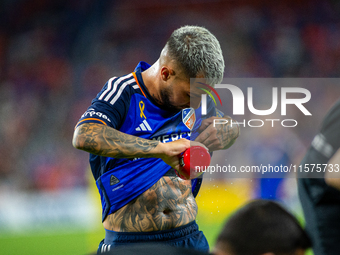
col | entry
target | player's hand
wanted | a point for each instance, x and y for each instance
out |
(172, 150)
(220, 137)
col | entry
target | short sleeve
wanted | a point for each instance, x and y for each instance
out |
(111, 104)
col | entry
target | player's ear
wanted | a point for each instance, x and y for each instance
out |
(166, 72)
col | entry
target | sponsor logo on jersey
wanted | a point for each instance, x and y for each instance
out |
(189, 117)
(144, 126)
(92, 113)
(172, 137)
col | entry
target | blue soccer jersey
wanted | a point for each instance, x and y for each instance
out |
(125, 104)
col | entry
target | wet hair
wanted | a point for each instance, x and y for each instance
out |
(262, 226)
(198, 52)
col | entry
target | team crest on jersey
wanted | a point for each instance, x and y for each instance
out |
(189, 117)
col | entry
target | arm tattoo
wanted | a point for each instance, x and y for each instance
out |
(167, 204)
(106, 141)
(227, 134)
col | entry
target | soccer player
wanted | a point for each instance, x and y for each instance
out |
(262, 227)
(319, 190)
(135, 130)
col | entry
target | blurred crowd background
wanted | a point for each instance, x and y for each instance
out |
(55, 56)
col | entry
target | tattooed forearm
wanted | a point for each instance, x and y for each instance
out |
(167, 204)
(105, 141)
(228, 133)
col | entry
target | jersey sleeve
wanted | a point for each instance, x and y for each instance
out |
(111, 104)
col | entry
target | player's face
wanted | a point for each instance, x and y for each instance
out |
(180, 95)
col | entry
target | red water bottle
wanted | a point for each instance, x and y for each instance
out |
(193, 161)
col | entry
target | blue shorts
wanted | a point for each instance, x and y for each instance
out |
(187, 236)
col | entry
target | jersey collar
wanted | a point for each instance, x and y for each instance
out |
(142, 66)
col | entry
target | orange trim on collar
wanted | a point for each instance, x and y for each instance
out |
(134, 75)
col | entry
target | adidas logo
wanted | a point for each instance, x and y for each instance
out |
(144, 126)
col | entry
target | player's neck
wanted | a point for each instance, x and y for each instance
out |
(150, 79)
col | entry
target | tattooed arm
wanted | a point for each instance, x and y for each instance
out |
(220, 137)
(106, 141)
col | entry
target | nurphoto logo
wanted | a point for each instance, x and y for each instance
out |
(238, 99)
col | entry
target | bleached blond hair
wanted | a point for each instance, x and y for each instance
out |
(198, 52)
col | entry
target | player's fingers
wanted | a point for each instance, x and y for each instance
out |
(176, 147)
(202, 137)
(214, 145)
(206, 135)
(208, 144)
(173, 162)
(203, 126)
(196, 143)
(210, 138)
(206, 123)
